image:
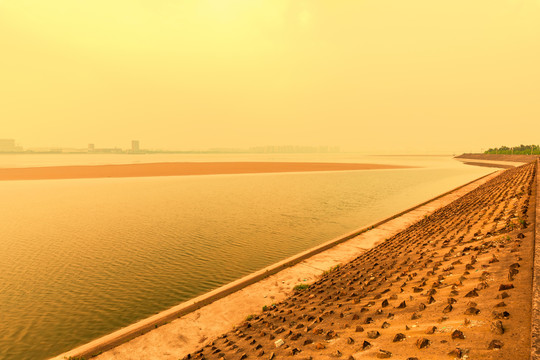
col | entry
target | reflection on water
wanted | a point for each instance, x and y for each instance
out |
(82, 258)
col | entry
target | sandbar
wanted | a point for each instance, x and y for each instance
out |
(178, 169)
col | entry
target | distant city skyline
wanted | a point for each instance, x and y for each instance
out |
(9, 146)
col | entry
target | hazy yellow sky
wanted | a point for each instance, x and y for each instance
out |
(367, 75)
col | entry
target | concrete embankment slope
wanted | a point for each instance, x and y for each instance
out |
(456, 284)
(212, 314)
(498, 161)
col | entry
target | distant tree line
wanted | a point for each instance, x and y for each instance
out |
(515, 150)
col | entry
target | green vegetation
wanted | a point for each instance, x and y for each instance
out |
(301, 287)
(515, 150)
(332, 269)
(266, 307)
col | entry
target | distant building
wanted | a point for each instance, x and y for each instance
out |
(8, 145)
(135, 146)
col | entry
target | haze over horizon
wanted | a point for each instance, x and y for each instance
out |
(370, 76)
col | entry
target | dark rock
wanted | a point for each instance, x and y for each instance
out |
(399, 337)
(472, 311)
(501, 315)
(430, 330)
(506, 287)
(373, 334)
(383, 354)
(422, 343)
(497, 327)
(456, 353)
(495, 344)
(457, 334)
(416, 316)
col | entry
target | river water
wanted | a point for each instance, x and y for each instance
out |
(82, 258)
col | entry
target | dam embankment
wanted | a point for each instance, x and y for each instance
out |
(214, 313)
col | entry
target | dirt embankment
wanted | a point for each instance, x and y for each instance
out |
(499, 157)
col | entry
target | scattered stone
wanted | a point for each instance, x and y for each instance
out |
(506, 287)
(279, 342)
(495, 344)
(472, 311)
(337, 353)
(457, 334)
(399, 337)
(366, 345)
(497, 327)
(383, 354)
(373, 334)
(472, 293)
(430, 330)
(422, 343)
(456, 353)
(501, 315)
(359, 329)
